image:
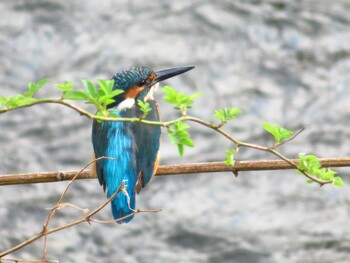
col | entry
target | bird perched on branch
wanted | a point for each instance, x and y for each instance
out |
(132, 148)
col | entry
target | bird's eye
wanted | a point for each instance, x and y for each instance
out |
(141, 83)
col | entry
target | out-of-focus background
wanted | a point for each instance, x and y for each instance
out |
(279, 61)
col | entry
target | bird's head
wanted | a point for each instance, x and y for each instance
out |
(140, 82)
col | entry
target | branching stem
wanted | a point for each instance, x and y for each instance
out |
(169, 123)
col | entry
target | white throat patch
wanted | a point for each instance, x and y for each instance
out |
(126, 104)
(150, 96)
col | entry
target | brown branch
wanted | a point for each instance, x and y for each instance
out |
(210, 167)
(17, 260)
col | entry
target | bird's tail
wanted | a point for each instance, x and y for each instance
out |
(123, 205)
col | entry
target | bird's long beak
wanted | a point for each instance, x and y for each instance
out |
(170, 72)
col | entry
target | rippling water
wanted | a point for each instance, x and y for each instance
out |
(279, 61)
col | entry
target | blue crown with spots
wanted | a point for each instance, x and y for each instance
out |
(128, 77)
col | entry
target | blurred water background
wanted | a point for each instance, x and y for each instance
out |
(279, 61)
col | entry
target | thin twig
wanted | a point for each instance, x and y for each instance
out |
(90, 115)
(57, 206)
(124, 217)
(289, 139)
(87, 218)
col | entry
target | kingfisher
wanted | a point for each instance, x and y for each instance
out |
(132, 148)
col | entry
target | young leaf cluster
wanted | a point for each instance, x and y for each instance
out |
(312, 165)
(226, 114)
(279, 133)
(101, 97)
(144, 107)
(33, 87)
(65, 86)
(181, 101)
(180, 136)
(230, 157)
(23, 99)
(15, 101)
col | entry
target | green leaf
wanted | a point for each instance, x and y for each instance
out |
(180, 136)
(181, 101)
(279, 133)
(309, 181)
(187, 142)
(24, 101)
(338, 181)
(311, 165)
(3, 101)
(170, 94)
(13, 102)
(101, 97)
(326, 174)
(229, 160)
(108, 102)
(116, 92)
(226, 114)
(75, 95)
(180, 149)
(105, 94)
(100, 114)
(33, 87)
(90, 88)
(144, 107)
(104, 99)
(106, 85)
(17, 101)
(66, 86)
(100, 93)
(113, 114)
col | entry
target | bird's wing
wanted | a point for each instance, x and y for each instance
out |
(100, 145)
(114, 140)
(147, 138)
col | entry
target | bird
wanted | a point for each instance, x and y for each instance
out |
(132, 149)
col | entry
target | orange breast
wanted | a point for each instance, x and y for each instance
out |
(133, 92)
